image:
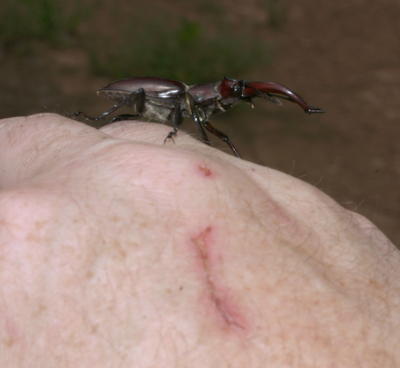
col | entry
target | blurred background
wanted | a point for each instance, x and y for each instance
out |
(341, 56)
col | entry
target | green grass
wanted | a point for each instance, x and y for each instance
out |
(185, 52)
(52, 21)
(276, 12)
(123, 42)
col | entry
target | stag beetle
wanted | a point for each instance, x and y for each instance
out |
(164, 100)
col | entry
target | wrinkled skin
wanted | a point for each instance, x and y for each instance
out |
(119, 251)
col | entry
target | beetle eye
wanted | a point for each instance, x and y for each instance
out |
(236, 88)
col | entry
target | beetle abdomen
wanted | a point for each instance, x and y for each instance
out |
(156, 113)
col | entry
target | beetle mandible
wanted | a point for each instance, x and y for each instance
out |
(169, 101)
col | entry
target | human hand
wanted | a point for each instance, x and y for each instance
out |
(119, 251)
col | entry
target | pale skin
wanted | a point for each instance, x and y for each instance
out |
(117, 250)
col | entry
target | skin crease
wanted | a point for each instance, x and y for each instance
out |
(119, 251)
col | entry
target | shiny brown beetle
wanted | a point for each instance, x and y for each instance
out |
(169, 101)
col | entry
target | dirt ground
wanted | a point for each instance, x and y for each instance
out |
(341, 56)
(347, 57)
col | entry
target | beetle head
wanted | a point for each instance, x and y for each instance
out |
(229, 88)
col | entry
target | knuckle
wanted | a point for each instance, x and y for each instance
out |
(142, 132)
(149, 167)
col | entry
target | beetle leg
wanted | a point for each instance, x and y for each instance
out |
(102, 115)
(196, 113)
(219, 105)
(204, 136)
(199, 122)
(175, 117)
(198, 117)
(136, 99)
(171, 135)
(124, 117)
(221, 136)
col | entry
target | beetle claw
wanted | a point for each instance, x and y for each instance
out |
(171, 135)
